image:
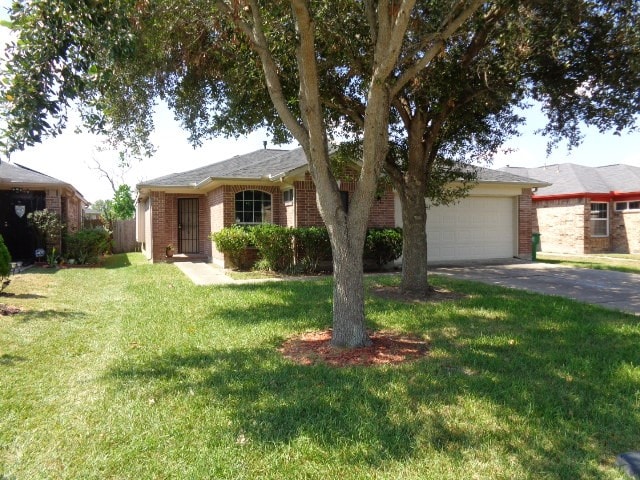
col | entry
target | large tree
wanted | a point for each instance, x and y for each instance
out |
(113, 59)
(439, 78)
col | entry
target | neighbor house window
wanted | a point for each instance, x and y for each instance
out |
(599, 219)
(633, 205)
(253, 207)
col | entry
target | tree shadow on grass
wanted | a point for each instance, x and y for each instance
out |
(549, 384)
(7, 360)
(276, 402)
(49, 315)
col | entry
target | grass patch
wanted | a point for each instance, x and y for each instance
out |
(610, 261)
(131, 371)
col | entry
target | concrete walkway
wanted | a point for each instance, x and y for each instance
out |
(202, 273)
(606, 288)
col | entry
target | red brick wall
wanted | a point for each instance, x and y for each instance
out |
(215, 201)
(308, 215)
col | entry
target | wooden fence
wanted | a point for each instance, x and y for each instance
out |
(124, 236)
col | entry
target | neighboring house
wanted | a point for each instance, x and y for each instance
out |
(274, 186)
(22, 191)
(586, 209)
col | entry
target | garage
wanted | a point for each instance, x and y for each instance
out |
(476, 228)
(493, 222)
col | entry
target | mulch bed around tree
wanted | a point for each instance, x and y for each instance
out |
(388, 348)
(6, 310)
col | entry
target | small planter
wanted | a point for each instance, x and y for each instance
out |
(169, 251)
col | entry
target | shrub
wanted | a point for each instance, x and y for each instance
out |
(47, 224)
(5, 264)
(86, 246)
(312, 246)
(275, 246)
(232, 241)
(383, 245)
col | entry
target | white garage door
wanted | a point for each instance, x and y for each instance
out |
(476, 228)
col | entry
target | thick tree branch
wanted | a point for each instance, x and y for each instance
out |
(255, 34)
(460, 14)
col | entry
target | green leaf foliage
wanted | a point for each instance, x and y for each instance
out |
(232, 242)
(87, 245)
(5, 264)
(275, 246)
(47, 224)
(383, 245)
(123, 206)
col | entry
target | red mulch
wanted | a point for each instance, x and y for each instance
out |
(8, 309)
(387, 348)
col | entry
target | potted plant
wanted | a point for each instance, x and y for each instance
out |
(169, 251)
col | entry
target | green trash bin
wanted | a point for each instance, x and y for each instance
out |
(535, 242)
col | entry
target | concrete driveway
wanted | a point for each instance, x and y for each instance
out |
(609, 289)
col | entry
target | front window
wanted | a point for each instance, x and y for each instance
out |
(622, 206)
(599, 219)
(253, 207)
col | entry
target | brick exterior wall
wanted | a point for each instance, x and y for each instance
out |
(562, 225)
(164, 223)
(624, 229)
(525, 223)
(565, 225)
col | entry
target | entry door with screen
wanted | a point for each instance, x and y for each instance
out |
(188, 227)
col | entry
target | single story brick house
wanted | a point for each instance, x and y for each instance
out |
(22, 191)
(274, 186)
(586, 209)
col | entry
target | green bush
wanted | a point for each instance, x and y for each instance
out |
(5, 264)
(232, 241)
(275, 246)
(383, 245)
(312, 246)
(86, 246)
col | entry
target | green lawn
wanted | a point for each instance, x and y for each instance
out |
(606, 261)
(132, 372)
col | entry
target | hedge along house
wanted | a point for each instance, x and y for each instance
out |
(23, 191)
(274, 186)
(586, 209)
(265, 186)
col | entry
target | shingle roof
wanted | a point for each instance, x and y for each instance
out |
(488, 175)
(251, 166)
(263, 164)
(569, 178)
(14, 173)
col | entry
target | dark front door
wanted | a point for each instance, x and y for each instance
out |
(20, 238)
(188, 228)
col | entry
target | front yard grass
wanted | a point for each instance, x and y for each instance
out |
(132, 372)
(606, 261)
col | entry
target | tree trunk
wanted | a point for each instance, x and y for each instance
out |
(414, 239)
(349, 329)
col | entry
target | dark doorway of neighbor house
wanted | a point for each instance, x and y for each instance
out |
(188, 228)
(20, 238)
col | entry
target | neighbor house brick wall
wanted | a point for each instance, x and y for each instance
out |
(73, 213)
(562, 224)
(525, 223)
(624, 229)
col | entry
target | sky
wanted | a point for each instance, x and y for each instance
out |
(71, 157)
